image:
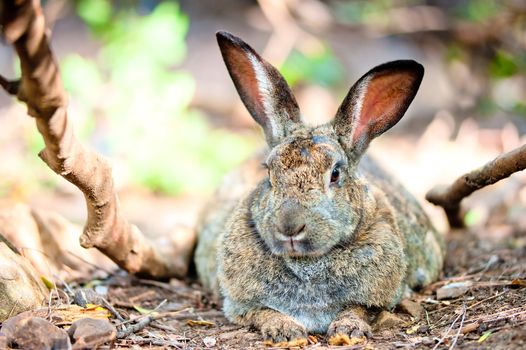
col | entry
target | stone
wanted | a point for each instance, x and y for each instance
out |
(28, 332)
(387, 320)
(89, 333)
(411, 308)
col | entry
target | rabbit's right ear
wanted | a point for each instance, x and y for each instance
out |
(261, 87)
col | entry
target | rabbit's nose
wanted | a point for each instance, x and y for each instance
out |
(291, 229)
(290, 221)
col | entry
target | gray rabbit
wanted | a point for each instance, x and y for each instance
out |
(326, 235)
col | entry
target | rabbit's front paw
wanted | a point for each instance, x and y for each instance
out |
(283, 329)
(353, 327)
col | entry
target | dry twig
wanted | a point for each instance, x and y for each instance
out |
(41, 89)
(449, 197)
(459, 327)
(449, 329)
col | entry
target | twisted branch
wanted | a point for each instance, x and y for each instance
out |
(449, 197)
(41, 89)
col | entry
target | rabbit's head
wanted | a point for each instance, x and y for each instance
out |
(313, 198)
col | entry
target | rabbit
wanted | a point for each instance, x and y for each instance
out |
(325, 236)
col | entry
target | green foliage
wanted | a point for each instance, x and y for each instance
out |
(136, 106)
(472, 217)
(503, 65)
(477, 10)
(320, 68)
(486, 107)
(520, 109)
(96, 13)
(362, 11)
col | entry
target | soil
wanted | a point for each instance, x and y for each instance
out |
(491, 314)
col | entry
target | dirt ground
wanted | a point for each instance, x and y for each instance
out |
(488, 263)
(490, 313)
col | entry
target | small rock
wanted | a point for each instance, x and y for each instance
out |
(453, 290)
(88, 333)
(386, 320)
(411, 308)
(84, 296)
(209, 342)
(26, 332)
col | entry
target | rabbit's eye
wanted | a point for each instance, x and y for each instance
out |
(335, 175)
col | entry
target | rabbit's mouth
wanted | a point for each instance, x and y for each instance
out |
(298, 246)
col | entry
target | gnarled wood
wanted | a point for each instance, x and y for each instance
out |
(41, 88)
(449, 197)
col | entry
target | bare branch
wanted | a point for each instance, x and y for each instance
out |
(449, 197)
(42, 90)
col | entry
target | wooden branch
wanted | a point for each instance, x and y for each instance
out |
(41, 88)
(449, 197)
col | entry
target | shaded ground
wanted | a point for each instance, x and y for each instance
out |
(491, 314)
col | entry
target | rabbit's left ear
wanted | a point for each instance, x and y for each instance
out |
(375, 103)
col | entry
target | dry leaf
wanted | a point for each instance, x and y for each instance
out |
(295, 343)
(144, 311)
(344, 339)
(413, 329)
(71, 313)
(194, 323)
(312, 339)
(49, 285)
(469, 328)
(518, 282)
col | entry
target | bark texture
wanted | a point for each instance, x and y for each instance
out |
(450, 197)
(41, 89)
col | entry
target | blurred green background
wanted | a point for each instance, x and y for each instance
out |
(148, 88)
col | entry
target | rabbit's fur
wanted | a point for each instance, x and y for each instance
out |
(326, 235)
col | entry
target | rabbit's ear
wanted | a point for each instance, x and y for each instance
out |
(375, 103)
(261, 87)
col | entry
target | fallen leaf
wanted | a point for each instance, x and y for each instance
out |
(453, 290)
(89, 333)
(49, 285)
(344, 339)
(469, 328)
(71, 313)
(518, 282)
(144, 311)
(194, 323)
(295, 343)
(413, 329)
(312, 339)
(484, 336)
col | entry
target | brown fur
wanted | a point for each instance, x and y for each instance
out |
(325, 237)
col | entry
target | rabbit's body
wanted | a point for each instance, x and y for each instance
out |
(324, 236)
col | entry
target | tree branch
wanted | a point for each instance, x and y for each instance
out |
(449, 197)
(42, 90)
